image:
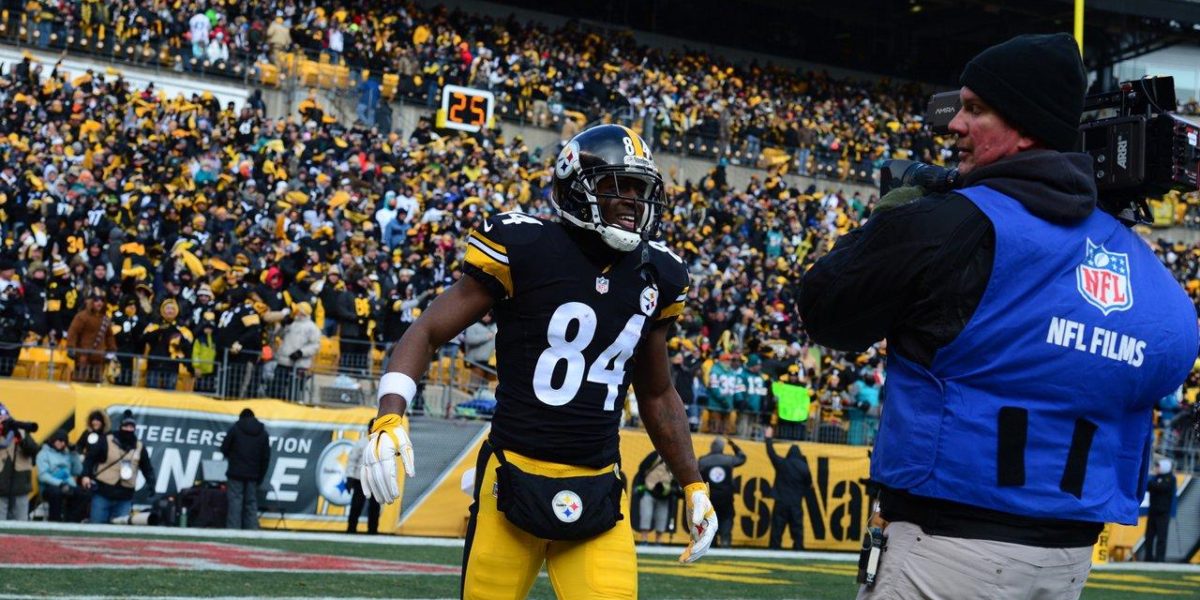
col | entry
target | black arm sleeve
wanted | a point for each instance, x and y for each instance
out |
(739, 457)
(915, 273)
(771, 452)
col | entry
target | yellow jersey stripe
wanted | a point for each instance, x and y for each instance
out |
(637, 142)
(488, 264)
(674, 310)
(475, 235)
(486, 249)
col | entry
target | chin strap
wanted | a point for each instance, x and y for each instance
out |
(646, 266)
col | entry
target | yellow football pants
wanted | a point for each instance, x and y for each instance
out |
(502, 561)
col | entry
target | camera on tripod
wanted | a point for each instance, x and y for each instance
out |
(1138, 147)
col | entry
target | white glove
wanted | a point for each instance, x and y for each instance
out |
(378, 473)
(703, 525)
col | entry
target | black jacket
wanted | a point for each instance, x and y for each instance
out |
(247, 447)
(1162, 493)
(792, 475)
(720, 486)
(915, 274)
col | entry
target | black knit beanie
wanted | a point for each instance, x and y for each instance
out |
(1037, 83)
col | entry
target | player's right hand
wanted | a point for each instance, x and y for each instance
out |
(378, 473)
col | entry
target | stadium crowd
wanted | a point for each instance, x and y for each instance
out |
(689, 99)
(136, 223)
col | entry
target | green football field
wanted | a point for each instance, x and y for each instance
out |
(81, 563)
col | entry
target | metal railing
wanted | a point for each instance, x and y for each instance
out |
(346, 378)
(1179, 441)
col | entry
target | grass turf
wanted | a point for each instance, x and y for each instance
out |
(659, 577)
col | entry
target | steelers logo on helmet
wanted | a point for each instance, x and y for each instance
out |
(605, 180)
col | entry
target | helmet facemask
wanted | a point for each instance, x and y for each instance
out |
(620, 202)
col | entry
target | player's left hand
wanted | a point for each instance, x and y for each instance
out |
(378, 473)
(703, 526)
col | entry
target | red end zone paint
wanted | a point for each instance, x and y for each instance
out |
(38, 551)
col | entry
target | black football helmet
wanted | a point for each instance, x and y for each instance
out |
(609, 161)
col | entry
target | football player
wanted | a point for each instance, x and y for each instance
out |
(583, 306)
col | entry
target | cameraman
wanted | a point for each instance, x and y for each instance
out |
(1000, 342)
(17, 453)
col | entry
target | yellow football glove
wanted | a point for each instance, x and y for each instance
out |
(703, 526)
(378, 472)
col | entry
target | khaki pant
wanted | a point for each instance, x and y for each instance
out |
(921, 566)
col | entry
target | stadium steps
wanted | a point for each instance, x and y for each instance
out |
(438, 443)
(1183, 540)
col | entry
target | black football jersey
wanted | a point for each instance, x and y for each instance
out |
(568, 331)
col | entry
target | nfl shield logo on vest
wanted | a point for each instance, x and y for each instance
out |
(1103, 279)
(602, 285)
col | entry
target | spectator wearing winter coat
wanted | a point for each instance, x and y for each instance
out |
(97, 427)
(112, 465)
(395, 234)
(247, 447)
(57, 469)
(479, 341)
(301, 340)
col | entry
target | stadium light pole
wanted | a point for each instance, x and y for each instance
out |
(1079, 25)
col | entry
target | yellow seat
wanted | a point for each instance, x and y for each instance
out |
(309, 73)
(342, 77)
(327, 355)
(462, 375)
(391, 82)
(287, 61)
(377, 366)
(269, 74)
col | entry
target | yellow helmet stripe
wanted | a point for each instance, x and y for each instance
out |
(637, 142)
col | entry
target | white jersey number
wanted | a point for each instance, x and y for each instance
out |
(609, 368)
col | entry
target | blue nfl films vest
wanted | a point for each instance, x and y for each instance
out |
(1042, 405)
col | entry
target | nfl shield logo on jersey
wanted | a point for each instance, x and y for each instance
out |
(1103, 279)
(602, 284)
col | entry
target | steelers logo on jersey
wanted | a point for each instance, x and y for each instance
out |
(716, 474)
(649, 299)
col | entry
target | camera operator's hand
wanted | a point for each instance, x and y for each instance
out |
(899, 197)
(877, 520)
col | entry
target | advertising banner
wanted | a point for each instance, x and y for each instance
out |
(306, 482)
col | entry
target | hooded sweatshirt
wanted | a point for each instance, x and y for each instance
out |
(916, 273)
